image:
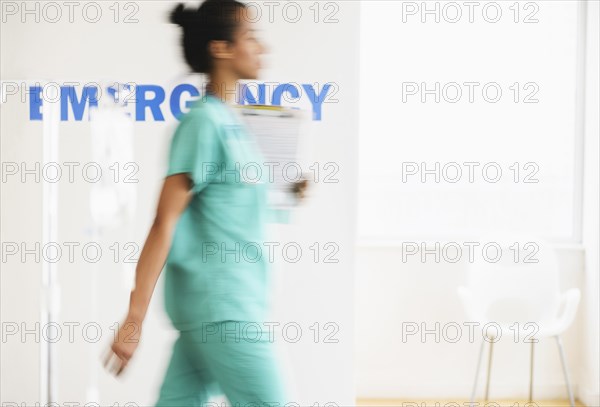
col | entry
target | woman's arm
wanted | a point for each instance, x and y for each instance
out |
(174, 198)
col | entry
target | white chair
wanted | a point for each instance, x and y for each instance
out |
(516, 289)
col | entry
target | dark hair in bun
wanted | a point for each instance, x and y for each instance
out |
(178, 15)
(213, 20)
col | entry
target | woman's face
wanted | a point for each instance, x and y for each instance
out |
(246, 47)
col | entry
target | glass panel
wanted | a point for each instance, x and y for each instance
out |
(467, 122)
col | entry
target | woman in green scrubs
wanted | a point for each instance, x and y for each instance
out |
(208, 232)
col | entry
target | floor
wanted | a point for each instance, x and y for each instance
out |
(463, 403)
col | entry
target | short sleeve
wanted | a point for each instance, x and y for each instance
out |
(195, 149)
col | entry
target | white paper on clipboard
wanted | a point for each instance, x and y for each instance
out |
(279, 133)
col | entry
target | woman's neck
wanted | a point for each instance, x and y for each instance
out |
(223, 88)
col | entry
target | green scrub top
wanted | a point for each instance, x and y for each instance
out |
(218, 266)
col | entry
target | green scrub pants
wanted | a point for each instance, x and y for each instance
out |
(232, 358)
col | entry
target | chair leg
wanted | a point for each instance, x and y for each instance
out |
(487, 384)
(531, 373)
(565, 371)
(472, 404)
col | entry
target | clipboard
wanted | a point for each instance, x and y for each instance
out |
(279, 133)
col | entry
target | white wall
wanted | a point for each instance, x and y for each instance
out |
(390, 292)
(148, 52)
(418, 292)
(590, 375)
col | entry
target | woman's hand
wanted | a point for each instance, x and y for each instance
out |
(124, 345)
(300, 188)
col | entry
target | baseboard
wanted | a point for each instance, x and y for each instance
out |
(392, 389)
(589, 399)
